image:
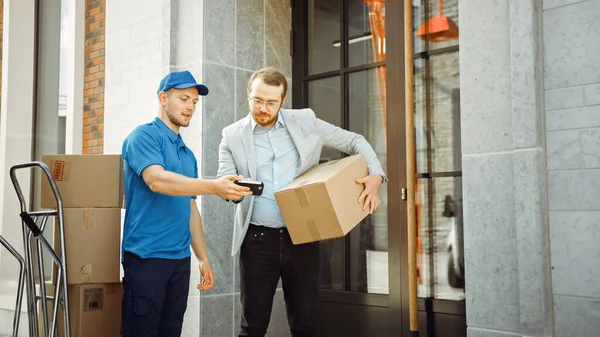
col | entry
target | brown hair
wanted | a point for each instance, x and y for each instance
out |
(271, 76)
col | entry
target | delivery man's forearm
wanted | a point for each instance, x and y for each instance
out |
(165, 182)
(198, 243)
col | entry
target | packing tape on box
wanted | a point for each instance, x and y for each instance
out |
(313, 229)
(301, 196)
(86, 273)
(88, 219)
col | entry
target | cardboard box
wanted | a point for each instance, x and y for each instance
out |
(322, 203)
(94, 180)
(95, 310)
(93, 243)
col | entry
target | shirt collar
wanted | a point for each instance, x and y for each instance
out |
(174, 137)
(280, 122)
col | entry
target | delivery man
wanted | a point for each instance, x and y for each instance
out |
(162, 219)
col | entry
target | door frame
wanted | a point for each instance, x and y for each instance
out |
(396, 303)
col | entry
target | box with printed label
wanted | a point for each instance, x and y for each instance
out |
(94, 310)
(93, 180)
(322, 203)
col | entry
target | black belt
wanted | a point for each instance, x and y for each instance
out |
(267, 231)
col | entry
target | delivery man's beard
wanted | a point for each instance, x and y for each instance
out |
(180, 123)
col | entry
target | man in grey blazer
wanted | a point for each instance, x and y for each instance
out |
(275, 145)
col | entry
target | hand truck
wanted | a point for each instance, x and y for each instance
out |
(33, 225)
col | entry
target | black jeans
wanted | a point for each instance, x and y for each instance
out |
(155, 295)
(266, 255)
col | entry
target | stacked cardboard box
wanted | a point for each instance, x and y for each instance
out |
(91, 189)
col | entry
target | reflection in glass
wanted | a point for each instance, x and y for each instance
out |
(323, 33)
(333, 264)
(445, 116)
(324, 97)
(437, 114)
(435, 24)
(418, 19)
(447, 9)
(369, 240)
(439, 200)
(441, 251)
(366, 32)
(421, 132)
(51, 96)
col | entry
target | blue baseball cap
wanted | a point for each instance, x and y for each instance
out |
(181, 80)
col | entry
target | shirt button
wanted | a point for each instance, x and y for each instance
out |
(281, 231)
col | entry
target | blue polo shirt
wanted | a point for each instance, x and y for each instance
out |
(156, 225)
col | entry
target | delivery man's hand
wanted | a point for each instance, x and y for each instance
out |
(369, 197)
(207, 276)
(226, 189)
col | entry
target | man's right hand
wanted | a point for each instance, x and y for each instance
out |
(226, 189)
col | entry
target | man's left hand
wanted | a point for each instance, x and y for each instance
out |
(369, 197)
(207, 276)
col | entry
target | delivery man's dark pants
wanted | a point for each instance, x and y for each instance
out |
(155, 295)
(266, 255)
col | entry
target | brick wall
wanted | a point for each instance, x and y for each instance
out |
(93, 115)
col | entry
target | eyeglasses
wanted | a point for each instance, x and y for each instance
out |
(258, 103)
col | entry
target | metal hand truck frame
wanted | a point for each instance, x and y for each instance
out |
(33, 224)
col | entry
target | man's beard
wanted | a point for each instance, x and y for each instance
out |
(174, 120)
(269, 121)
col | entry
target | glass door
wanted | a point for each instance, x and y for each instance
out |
(438, 154)
(340, 67)
(346, 87)
(348, 66)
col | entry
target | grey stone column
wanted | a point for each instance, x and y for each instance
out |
(239, 37)
(508, 283)
(531, 187)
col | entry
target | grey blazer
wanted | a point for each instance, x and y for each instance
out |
(310, 134)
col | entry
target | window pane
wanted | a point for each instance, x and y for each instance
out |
(437, 114)
(444, 23)
(422, 143)
(366, 32)
(324, 36)
(51, 99)
(369, 240)
(324, 97)
(435, 24)
(333, 264)
(440, 227)
(445, 113)
(52, 91)
(418, 19)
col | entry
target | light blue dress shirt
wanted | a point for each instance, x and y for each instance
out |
(277, 162)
